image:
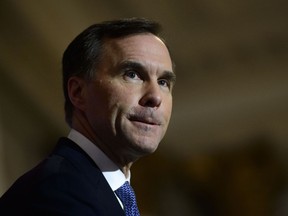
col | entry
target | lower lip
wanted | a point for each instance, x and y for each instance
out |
(144, 125)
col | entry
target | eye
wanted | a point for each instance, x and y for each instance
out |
(164, 83)
(132, 75)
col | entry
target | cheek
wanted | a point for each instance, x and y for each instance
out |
(167, 106)
(119, 103)
(123, 96)
(98, 101)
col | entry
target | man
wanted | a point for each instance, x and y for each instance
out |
(118, 79)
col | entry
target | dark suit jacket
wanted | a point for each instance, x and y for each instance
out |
(66, 183)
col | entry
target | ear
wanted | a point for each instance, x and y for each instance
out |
(77, 88)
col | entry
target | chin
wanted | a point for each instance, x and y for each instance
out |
(146, 147)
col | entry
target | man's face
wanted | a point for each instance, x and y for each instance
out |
(129, 100)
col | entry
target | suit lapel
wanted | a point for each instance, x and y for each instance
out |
(105, 197)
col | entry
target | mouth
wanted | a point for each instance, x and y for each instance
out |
(144, 120)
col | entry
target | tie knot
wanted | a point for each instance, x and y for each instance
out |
(127, 197)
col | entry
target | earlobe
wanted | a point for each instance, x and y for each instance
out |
(76, 88)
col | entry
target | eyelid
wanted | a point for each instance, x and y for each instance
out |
(127, 71)
(169, 77)
(167, 83)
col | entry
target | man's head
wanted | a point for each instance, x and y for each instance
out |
(118, 79)
(84, 53)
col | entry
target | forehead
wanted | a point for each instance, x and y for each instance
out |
(146, 48)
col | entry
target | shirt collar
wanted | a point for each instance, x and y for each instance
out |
(113, 175)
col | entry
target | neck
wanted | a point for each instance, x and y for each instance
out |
(82, 125)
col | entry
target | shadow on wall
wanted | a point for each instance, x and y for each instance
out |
(248, 181)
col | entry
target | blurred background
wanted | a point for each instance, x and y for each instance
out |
(226, 151)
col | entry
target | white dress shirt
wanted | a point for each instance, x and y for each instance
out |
(113, 175)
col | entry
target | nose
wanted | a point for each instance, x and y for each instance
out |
(152, 96)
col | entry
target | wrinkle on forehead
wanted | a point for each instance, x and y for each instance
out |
(145, 48)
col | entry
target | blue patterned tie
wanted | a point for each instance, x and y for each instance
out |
(127, 196)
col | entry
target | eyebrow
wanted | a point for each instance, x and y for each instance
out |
(169, 75)
(132, 64)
